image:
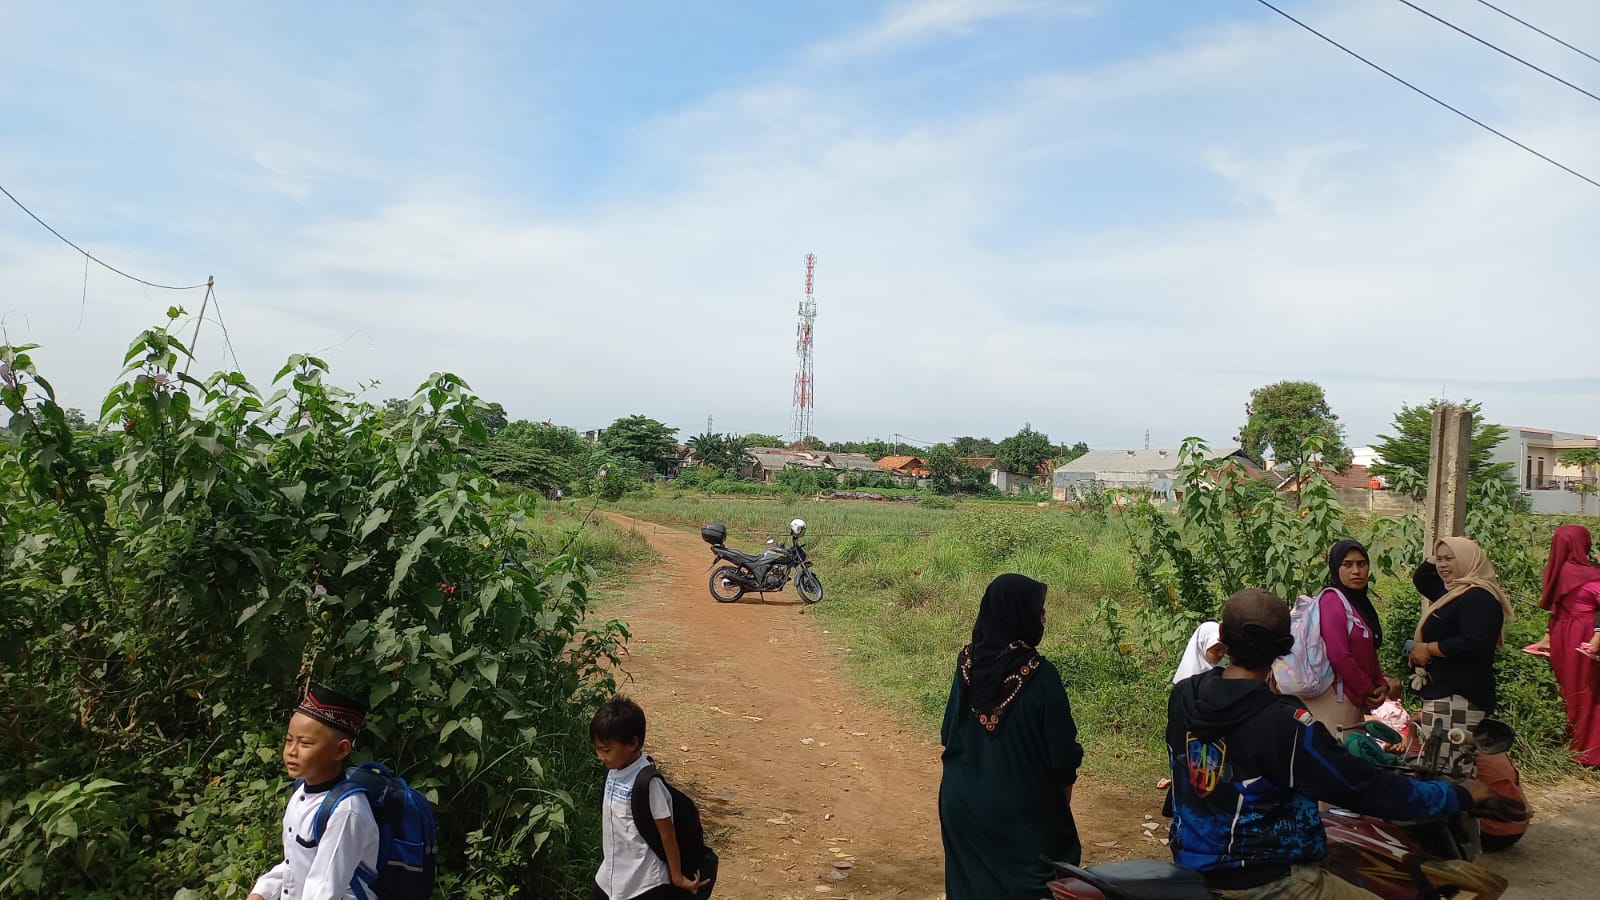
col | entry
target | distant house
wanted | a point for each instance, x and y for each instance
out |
(1534, 456)
(1152, 470)
(851, 462)
(1008, 482)
(769, 461)
(905, 466)
(1357, 488)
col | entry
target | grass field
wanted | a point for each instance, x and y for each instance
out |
(903, 585)
(904, 581)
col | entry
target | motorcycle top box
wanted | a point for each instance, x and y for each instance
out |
(714, 533)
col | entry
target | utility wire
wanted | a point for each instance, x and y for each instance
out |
(1486, 127)
(226, 339)
(1534, 27)
(87, 254)
(1503, 52)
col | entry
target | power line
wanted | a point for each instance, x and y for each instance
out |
(1503, 52)
(226, 339)
(87, 254)
(1486, 127)
(1534, 27)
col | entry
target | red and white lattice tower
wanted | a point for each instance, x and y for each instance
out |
(804, 376)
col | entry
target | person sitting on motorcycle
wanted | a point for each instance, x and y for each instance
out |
(1249, 765)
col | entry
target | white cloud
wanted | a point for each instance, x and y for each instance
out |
(916, 21)
(1317, 249)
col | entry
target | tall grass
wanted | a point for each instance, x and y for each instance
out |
(610, 548)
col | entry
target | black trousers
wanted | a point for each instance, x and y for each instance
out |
(659, 892)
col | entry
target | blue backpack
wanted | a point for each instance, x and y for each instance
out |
(408, 842)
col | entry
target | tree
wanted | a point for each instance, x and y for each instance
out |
(1024, 452)
(644, 440)
(757, 439)
(948, 469)
(558, 440)
(1065, 454)
(75, 419)
(492, 416)
(1284, 416)
(707, 448)
(974, 446)
(1585, 458)
(736, 454)
(1405, 453)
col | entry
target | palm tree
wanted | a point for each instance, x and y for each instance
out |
(709, 448)
(736, 454)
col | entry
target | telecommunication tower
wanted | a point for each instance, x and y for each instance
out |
(804, 376)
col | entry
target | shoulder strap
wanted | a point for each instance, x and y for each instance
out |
(642, 817)
(338, 792)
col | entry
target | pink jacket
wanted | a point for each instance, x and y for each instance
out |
(1350, 648)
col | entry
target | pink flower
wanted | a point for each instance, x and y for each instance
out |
(319, 591)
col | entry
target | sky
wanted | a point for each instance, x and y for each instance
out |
(1101, 217)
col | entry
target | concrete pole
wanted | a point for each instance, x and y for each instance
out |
(1445, 514)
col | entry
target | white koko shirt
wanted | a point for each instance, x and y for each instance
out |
(323, 872)
(630, 867)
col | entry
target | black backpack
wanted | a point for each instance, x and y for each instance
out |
(693, 854)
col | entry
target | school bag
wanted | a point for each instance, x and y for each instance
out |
(408, 842)
(693, 854)
(1305, 670)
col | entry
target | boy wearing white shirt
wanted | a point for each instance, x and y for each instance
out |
(630, 869)
(343, 864)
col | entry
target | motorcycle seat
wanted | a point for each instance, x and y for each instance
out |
(739, 556)
(1150, 879)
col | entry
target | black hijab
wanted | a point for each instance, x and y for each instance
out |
(1358, 599)
(996, 665)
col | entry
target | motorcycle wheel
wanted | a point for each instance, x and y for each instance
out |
(808, 586)
(723, 586)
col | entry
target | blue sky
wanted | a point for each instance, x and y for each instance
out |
(1099, 217)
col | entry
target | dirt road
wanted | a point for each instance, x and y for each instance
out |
(801, 778)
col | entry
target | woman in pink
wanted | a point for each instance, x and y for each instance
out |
(1572, 594)
(1352, 633)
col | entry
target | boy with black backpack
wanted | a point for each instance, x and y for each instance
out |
(348, 834)
(650, 831)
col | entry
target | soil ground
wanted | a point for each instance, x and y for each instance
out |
(808, 789)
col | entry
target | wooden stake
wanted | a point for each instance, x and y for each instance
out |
(195, 340)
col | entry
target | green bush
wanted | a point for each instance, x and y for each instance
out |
(166, 593)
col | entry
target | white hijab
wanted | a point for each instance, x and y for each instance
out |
(1194, 655)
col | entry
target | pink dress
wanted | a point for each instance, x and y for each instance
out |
(1579, 676)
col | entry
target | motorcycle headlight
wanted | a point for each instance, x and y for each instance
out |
(797, 527)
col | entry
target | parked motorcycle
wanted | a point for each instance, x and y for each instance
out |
(762, 572)
(1424, 860)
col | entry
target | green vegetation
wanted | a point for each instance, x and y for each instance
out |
(168, 585)
(1126, 589)
(1405, 453)
(1287, 417)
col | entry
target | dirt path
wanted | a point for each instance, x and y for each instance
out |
(795, 770)
(1558, 856)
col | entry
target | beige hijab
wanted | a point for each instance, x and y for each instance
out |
(1472, 569)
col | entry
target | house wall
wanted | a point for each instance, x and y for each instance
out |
(1533, 457)
(1564, 503)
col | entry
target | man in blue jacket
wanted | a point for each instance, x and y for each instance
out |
(1248, 767)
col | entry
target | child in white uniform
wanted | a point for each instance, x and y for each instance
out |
(343, 864)
(630, 869)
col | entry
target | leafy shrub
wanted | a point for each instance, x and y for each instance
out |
(165, 594)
